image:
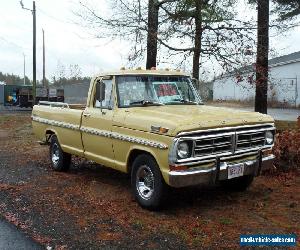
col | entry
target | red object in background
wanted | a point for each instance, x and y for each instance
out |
(166, 90)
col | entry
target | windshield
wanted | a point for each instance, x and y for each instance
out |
(156, 90)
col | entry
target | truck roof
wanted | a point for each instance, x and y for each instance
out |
(138, 71)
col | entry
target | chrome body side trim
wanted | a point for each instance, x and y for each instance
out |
(123, 137)
(93, 131)
(55, 123)
(99, 132)
(139, 141)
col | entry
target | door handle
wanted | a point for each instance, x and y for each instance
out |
(86, 114)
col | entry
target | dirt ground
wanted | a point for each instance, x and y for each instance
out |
(92, 207)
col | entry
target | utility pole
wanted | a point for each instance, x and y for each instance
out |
(44, 77)
(34, 53)
(24, 70)
(33, 11)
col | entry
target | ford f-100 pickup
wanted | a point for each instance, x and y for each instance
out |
(153, 125)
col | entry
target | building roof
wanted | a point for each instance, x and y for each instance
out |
(274, 62)
(286, 59)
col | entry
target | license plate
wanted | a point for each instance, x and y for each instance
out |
(235, 171)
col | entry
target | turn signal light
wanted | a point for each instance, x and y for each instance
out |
(177, 168)
(163, 130)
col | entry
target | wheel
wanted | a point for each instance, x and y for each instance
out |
(147, 182)
(238, 184)
(60, 161)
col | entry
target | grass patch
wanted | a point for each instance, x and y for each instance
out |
(3, 118)
(226, 221)
(285, 125)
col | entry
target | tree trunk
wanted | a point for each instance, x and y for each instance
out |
(262, 64)
(198, 37)
(153, 8)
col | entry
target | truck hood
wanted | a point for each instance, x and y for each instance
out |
(184, 118)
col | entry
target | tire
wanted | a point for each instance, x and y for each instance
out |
(238, 184)
(147, 183)
(60, 161)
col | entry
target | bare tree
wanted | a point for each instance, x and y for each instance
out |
(137, 20)
(74, 72)
(209, 31)
(152, 30)
(208, 27)
(64, 75)
(287, 9)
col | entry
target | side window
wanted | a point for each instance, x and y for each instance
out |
(103, 94)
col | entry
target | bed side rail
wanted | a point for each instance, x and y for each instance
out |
(54, 104)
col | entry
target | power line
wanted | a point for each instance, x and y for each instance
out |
(12, 43)
(52, 17)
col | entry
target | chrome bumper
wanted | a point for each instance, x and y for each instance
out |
(217, 173)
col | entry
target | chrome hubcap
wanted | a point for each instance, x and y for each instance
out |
(145, 182)
(55, 154)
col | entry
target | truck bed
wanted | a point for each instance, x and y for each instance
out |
(62, 119)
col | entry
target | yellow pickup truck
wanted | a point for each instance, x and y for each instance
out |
(153, 125)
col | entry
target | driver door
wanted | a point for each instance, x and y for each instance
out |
(97, 124)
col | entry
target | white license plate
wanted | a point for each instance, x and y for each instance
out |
(235, 171)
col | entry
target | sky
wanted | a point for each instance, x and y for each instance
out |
(69, 43)
(66, 42)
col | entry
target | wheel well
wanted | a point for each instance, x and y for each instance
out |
(49, 133)
(133, 154)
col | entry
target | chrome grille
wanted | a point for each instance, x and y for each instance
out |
(214, 145)
(246, 140)
(207, 144)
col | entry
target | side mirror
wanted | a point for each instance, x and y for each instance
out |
(100, 91)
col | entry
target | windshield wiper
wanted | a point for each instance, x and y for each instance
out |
(175, 101)
(146, 103)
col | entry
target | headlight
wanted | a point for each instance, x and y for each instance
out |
(269, 138)
(183, 150)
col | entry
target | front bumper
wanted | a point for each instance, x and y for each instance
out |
(218, 172)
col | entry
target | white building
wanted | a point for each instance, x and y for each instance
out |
(284, 82)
